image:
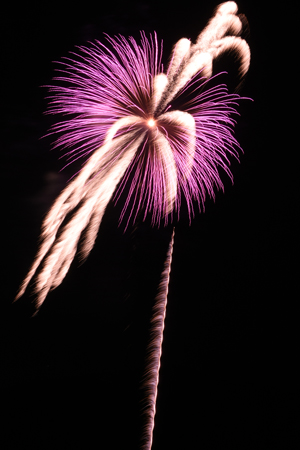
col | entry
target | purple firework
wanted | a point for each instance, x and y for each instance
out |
(124, 115)
(155, 136)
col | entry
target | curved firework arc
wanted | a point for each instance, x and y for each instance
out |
(119, 105)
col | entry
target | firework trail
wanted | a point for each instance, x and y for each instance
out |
(155, 348)
(159, 135)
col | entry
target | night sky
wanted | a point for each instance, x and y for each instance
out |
(72, 373)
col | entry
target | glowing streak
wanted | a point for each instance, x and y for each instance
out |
(180, 50)
(184, 122)
(93, 188)
(154, 350)
(187, 60)
(160, 83)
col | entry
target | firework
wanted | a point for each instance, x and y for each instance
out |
(156, 136)
(121, 117)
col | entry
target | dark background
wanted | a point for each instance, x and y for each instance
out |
(72, 374)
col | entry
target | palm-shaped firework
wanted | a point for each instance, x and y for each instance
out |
(160, 135)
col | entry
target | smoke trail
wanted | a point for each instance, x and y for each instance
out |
(154, 350)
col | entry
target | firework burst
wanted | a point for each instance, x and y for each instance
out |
(121, 116)
(158, 137)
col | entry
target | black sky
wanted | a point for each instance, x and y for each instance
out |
(72, 374)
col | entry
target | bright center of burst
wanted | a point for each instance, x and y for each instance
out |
(151, 123)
